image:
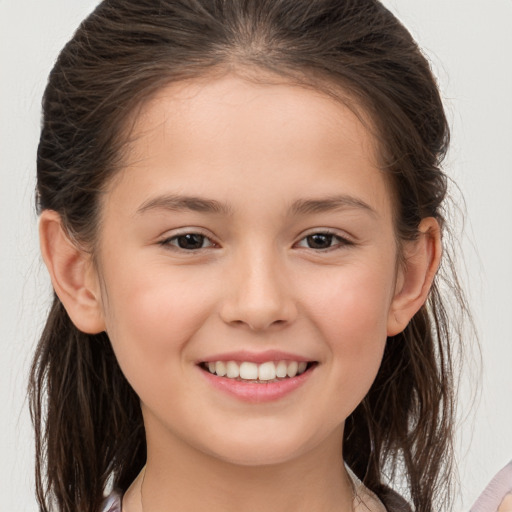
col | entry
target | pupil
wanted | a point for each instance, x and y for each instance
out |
(319, 241)
(191, 241)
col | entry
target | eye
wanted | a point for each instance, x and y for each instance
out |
(323, 241)
(188, 241)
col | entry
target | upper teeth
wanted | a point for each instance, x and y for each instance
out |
(269, 370)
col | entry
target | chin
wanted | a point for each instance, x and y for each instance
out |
(258, 457)
(268, 448)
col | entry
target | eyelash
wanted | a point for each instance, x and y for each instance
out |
(341, 242)
(169, 241)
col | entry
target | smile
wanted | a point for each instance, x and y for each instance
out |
(266, 372)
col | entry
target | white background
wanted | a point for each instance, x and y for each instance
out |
(470, 45)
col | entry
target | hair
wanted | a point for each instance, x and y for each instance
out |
(87, 418)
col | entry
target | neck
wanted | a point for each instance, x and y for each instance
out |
(186, 480)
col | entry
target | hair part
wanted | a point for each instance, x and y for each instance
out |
(87, 418)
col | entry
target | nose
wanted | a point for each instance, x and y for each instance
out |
(257, 293)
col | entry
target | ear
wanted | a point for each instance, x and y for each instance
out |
(421, 261)
(73, 276)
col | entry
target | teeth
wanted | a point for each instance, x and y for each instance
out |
(302, 367)
(267, 371)
(248, 371)
(232, 370)
(220, 368)
(292, 369)
(281, 369)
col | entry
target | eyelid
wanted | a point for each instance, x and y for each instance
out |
(165, 240)
(345, 239)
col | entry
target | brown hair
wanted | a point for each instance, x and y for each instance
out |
(88, 423)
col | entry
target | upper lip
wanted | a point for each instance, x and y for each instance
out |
(255, 357)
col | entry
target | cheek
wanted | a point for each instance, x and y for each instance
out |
(151, 315)
(350, 312)
(353, 302)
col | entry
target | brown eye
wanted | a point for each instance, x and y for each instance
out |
(188, 241)
(319, 241)
(322, 241)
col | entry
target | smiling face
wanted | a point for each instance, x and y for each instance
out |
(249, 224)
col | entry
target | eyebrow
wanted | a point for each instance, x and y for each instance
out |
(338, 202)
(299, 207)
(179, 203)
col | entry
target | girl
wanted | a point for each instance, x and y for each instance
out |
(241, 210)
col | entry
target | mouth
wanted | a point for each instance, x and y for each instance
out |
(263, 373)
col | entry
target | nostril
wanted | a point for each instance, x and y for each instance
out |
(258, 324)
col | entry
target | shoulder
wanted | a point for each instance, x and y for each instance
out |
(384, 499)
(497, 496)
(112, 503)
(364, 499)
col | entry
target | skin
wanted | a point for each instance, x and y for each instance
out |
(256, 284)
(506, 504)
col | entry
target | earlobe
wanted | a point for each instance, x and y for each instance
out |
(73, 276)
(421, 261)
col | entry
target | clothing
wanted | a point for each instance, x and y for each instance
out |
(364, 499)
(495, 492)
(112, 503)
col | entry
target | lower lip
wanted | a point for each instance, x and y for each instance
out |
(255, 392)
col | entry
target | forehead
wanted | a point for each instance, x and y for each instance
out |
(255, 103)
(234, 130)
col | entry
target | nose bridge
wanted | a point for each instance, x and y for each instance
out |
(257, 293)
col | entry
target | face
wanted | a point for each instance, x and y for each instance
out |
(250, 230)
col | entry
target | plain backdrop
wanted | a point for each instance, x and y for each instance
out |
(469, 43)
